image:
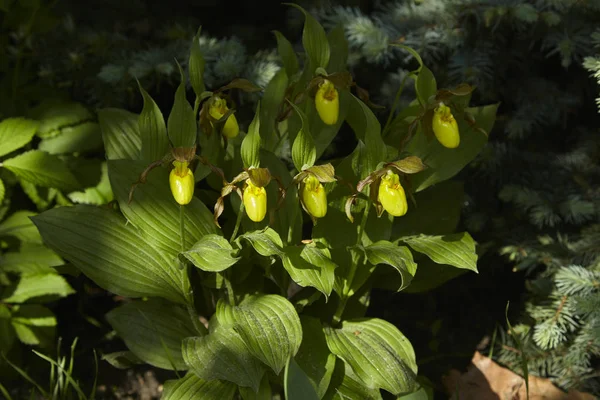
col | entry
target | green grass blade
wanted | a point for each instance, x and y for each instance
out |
(65, 372)
(27, 377)
(5, 392)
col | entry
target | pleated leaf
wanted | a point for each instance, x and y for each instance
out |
(153, 131)
(111, 252)
(268, 325)
(222, 354)
(379, 354)
(153, 209)
(310, 266)
(314, 40)
(181, 125)
(120, 133)
(457, 249)
(190, 387)
(154, 331)
(266, 242)
(250, 149)
(398, 257)
(212, 253)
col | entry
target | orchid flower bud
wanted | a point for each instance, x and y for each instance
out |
(445, 127)
(217, 109)
(327, 102)
(313, 197)
(255, 201)
(181, 180)
(391, 195)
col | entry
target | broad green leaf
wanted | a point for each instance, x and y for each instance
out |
(349, 386)
(429, 276)
(338, 44)
(268, 325)
(191, 387)
(31, 258)
(97, 195)
(379, 354)
(444, 163)
(153, 209)
(42, 169)
(304, 152)
(296, 384)
(120, 133)
(314, 40)
(425, 85)
(212, 253)
(153, 131)
(398, 257)
(266, 242)
(20, 226)
(112, 253)
(368, 130)
(122, 359)
(55, 116)
(264, 391)
(16, 133)
(270, 105)
(74, 139)
(181, 125)
(2, 191)
(34, 324)
(250, 149)
(456, 249)
(154, 331)
(437, 212)
(7, 332)
(223, 355)
(313, 357)
(31, 286)
(287, 54)
(310, 266)
(196, 65)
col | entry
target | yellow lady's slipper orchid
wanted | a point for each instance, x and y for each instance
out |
(181, 180)
(327, 102)
(313, 197)
(255, 201)
(445, 127)
(391, 195)
(217, 109)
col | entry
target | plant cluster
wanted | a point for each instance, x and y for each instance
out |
(257, 305)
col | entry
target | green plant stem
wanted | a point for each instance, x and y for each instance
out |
(238, 222)
(337, 317)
